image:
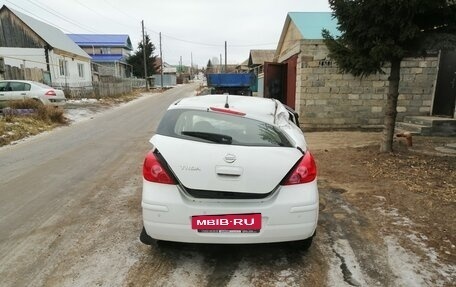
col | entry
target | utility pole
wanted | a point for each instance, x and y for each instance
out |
(226, 69)
(191, 66)
(161, 60)
(144, 55)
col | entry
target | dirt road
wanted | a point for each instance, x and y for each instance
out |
(70, 215)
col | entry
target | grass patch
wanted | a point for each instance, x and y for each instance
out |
(24, 104)
(15, 126)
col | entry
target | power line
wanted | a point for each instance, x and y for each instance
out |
(118, 10)
(57, 14)
(26, 60)
(209, 44)
(47, 22)
(43, 20)
(103, 15)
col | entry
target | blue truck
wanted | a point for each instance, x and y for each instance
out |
(232, 83)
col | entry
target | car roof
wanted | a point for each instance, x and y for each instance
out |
(263, 109)
(20, 81)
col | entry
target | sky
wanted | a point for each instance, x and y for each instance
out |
(191, 29)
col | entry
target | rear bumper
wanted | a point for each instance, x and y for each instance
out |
(290, 214)
(54, 101)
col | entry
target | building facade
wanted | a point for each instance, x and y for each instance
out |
(326, 98)
(109, 53)
(26, 42)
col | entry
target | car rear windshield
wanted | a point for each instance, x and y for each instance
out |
(221, 128)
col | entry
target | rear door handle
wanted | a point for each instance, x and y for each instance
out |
(23, 94)
(229, 170)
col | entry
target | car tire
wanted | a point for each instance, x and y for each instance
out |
(145, 238)
(305, 244)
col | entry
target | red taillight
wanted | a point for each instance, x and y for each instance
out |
(153, 170)
(51, 93)
(305, 171)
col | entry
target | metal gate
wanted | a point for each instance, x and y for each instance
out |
(274, 79)
(280, 81)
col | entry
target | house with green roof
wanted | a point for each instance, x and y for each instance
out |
(306, 79)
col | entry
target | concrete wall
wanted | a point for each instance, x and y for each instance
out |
(326, 98)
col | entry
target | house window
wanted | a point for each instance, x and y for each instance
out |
(105, 50)
(81, 70)
(63, 67)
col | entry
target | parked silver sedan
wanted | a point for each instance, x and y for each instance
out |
(11, 90)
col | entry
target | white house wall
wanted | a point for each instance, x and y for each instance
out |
(35, 58)
(72, 78)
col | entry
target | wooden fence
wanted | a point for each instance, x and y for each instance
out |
(108, 87)
(16, 73)
(103, 89)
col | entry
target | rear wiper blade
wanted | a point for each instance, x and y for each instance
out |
(218, 138)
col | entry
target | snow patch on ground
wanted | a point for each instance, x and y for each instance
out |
(84, 109)
(406, 265)
(398, 219)
(286, 278)
(79, 114)
(344, 269)
(411, 269)
(82, 101)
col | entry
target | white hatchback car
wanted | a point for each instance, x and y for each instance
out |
(11, 90)
(229, 169)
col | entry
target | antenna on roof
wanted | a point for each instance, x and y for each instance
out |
(227, 106)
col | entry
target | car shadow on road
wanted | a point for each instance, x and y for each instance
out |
(260, 263)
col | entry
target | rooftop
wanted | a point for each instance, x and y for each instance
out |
(50, 34)
(107, 58)
(102, 40)
(258, 57)
(311, 24)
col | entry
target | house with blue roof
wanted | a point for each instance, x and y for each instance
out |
(305, 78)
(108, 51)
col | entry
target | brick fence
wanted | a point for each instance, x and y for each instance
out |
(326, 98)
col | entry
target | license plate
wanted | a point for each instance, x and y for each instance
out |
(242, 223)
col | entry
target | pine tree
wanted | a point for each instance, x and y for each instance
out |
(379, 32)
(137, 59)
